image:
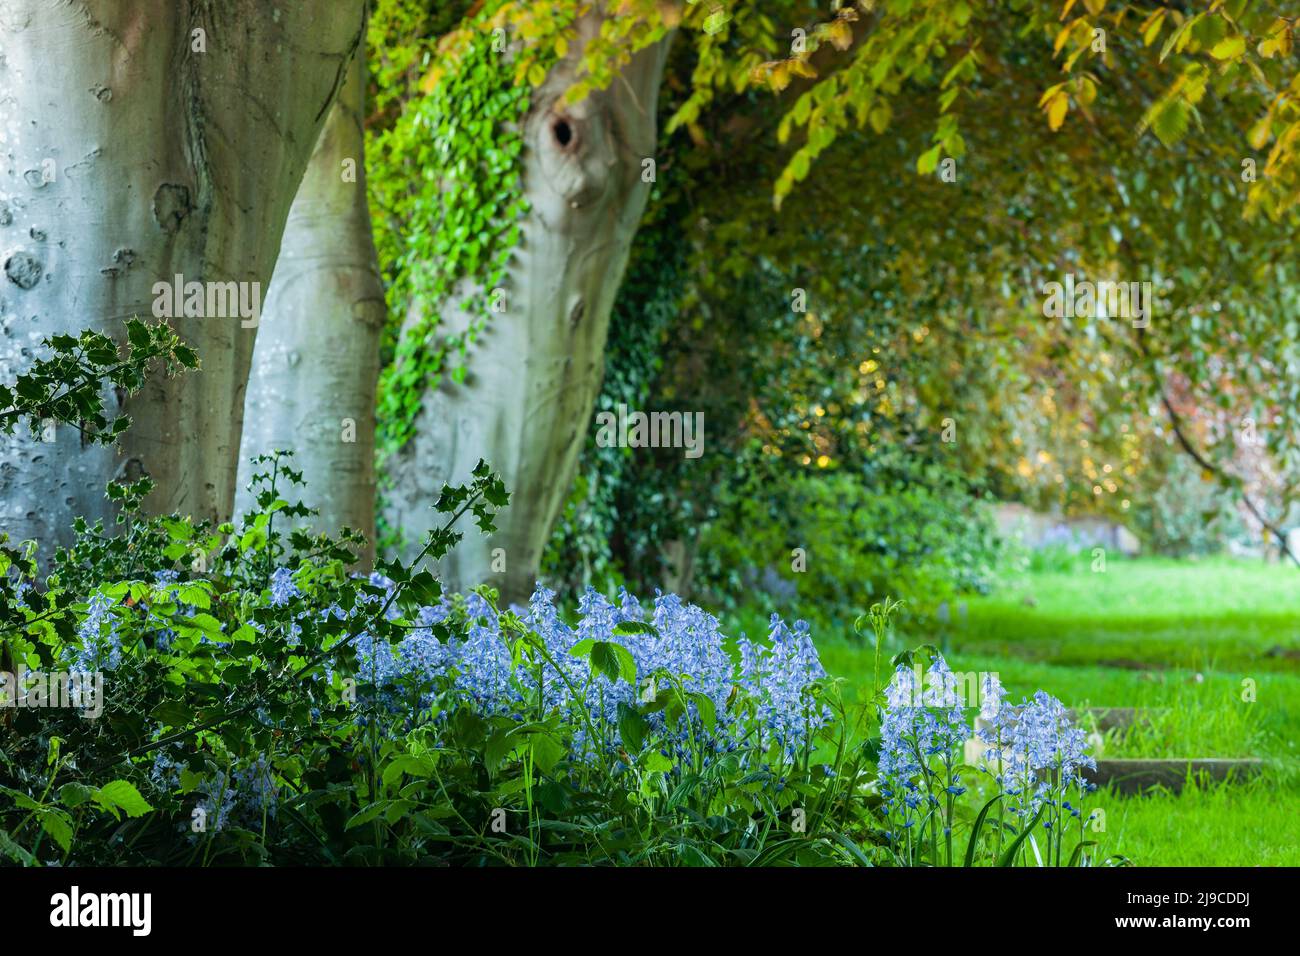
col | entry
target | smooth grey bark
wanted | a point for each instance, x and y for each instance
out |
(142, 141)
(312, 385)
(535, 372)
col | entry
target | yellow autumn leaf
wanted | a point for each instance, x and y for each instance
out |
(1259, 133)
(779, 76)
(801, 67)
(1229, 48)
(880, 116)
(841, 35)
(1056, 110)
(431, 79)
(1062, 37)
(670, 14)
(1086, 91)
(1152, 29)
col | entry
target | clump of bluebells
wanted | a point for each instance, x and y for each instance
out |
(759, 701)
(1032, 756)
(922, 732)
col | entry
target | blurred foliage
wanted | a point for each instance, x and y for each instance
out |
(831, 543)
(1191, 516)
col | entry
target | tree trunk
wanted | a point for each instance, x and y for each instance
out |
(140, 142)
(312, 385)
(534, 373)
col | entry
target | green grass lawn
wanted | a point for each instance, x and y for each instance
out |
(1189, 639)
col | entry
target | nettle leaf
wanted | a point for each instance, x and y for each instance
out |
(498, 747)
(75, 794)
(59, 826)
(195, 593)
(632, 727)
(655, 762)
(547, 751)
(613, 660)
(206, 623)
(419, 767)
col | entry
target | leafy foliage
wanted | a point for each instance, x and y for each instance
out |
(449, 198)
(68, 384)
(829, 541)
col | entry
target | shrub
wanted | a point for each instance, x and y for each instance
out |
(904, 528)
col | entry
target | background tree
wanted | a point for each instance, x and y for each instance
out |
(316, 366)
(531, 291)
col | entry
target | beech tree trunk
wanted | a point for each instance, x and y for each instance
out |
(312, 384)
(534, 374)
(141, 141)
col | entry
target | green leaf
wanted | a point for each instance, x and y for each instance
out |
(417, 767)
(708, 710)
(59, 827)
(929, 160)
(1009, 854)
(367, 814)
(1078, 851)
(975, 830)
(655, 762)
(498, 747)
(121, 795)
(194, 594)
(14, 851)
(632, 727)
(137, 334)
(75, 794)
(612, 660)
(206, 623)
(547, 751)
(1229, 48)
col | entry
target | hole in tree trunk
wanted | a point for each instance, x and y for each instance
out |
(563, 132)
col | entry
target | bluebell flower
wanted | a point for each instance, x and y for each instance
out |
(282, 587)
(101, 645)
